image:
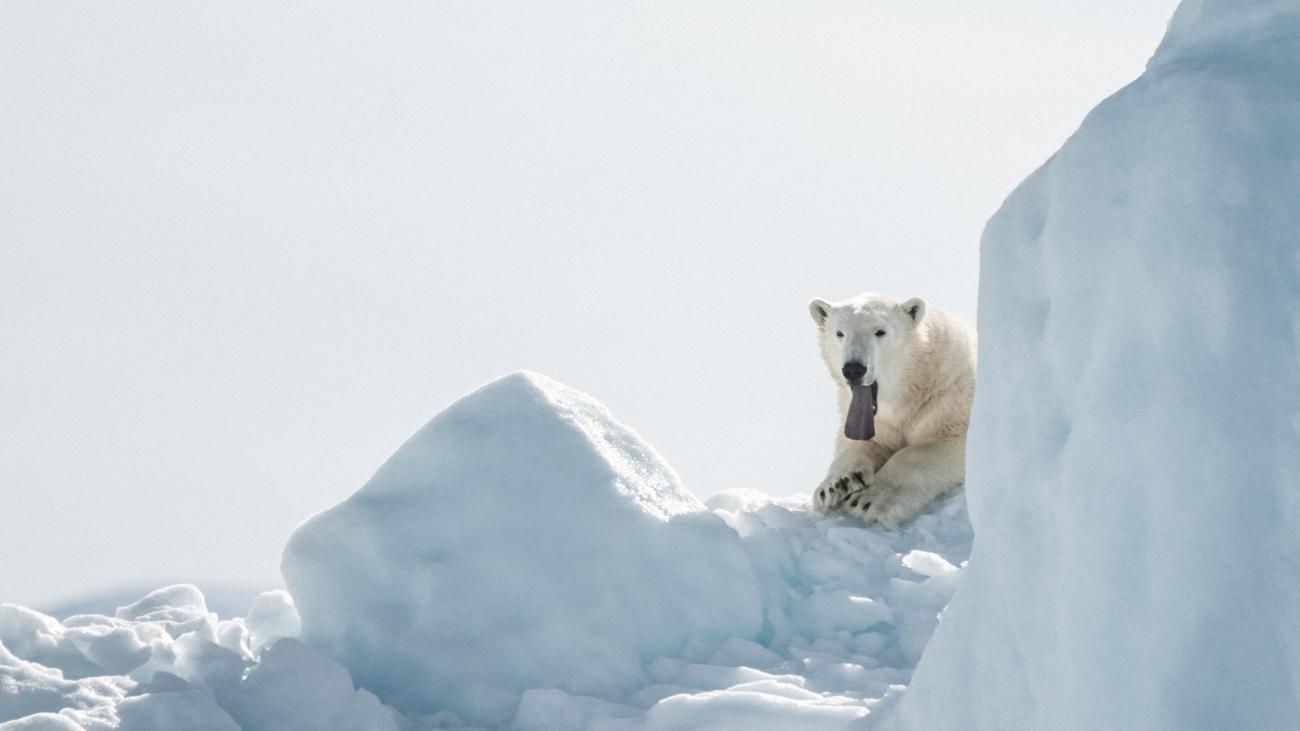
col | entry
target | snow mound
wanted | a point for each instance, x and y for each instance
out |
(1135, 444)
(532, 565)
(164, 663)
(526, 560)
(847, 611)
(521, 539)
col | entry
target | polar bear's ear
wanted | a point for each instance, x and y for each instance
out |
(819, 309)
(914, 308)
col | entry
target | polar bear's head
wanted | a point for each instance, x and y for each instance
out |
(867, 339)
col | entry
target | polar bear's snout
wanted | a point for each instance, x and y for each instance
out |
(853, 372)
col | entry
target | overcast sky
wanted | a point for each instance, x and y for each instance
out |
(246, 249)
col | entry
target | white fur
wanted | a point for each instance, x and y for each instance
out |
(924, 367)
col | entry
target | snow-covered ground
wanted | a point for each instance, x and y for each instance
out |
(533, 565)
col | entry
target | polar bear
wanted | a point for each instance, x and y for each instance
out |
(905, 376)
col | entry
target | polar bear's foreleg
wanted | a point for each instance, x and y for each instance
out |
(913, 477)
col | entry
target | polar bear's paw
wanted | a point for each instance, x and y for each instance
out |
(881, 502)
(833, 491)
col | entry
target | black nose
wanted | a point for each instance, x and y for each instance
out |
(853, 371)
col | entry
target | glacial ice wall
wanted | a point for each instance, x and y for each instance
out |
(1134, 460)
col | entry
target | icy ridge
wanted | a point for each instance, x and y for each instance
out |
(1135, 441)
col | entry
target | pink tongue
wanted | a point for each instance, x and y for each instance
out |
(861, 422)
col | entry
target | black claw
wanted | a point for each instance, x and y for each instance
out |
(861, 480)
(866, 505)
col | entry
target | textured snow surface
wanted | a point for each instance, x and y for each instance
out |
(525, 558)
(1134, 458)
(846, 613)
(521, 562)
(165, 662)
(524, 562)
(521, 539)
(847, 609)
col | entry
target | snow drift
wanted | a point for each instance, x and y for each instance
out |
(847, 612)
(522, 562)
(525, 559)
(165, 663)
(521, 539)
(1134, 471)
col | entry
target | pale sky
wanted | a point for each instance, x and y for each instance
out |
(247, 248)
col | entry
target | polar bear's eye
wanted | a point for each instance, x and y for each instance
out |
(880, 333)
(839, 334)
